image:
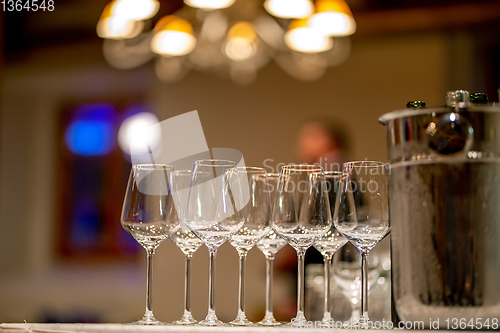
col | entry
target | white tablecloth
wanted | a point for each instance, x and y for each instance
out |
(104, 328)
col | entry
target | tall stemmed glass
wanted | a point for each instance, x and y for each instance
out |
(257, 224)
(362, 214)
(149, 215)
(186, 241)
(301, 214)
(329, 243)
(270, 245)
(214, 212)
(347, 275)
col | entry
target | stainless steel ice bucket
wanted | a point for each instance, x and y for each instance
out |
(445, 214)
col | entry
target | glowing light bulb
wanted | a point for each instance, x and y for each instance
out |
(241, 41)
(174, 43)
(209, 4)
(135, 9)
(333, 24)
(116, 28)
(303, 38)
(289, 8)
(137, 135)
(239, 49)
(173, 37)
(333, 17)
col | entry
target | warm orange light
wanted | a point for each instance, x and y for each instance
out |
(241, 41)
(173, 36)
(304, 38)
(209, 4)
(174, 23)
(333, 17)
(135, 9)
(339, 6)
(242, 29)
(296, 24)
(114, 27)
(108, 10)
(289, 8)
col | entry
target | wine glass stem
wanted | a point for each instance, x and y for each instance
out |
(187, 285)
(211, 281)
(328, 264)
(300, 285)
(364, 285)
(241, 282)
(269, 284)
(149, 282)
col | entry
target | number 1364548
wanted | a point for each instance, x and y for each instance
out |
(27, 5)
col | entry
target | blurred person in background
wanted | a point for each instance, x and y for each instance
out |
(322, 142)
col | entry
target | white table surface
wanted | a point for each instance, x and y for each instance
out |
(104, 328)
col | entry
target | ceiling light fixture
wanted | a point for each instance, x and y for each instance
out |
(234, 38)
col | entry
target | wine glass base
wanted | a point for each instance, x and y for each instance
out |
(211, 323)
(241, 321)
(211, 320)
(187, 319)
(269, 321)
(148, 320)
(327, 321)
(299, 321)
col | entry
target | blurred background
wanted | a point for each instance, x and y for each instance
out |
(66, 93)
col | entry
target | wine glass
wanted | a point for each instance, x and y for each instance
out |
(185, 240)
(362, 213)
(347, 275)
(329, 243)
(269, 246)
(214, 211)
(149, 215)
(257, 223)
(300, 215)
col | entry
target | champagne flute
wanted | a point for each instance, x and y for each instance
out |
(329, 243)
(257, 215)
(362, 214)
(186, 241)
(269, 246)
(214, 211)
(301, 214)
(149, 215)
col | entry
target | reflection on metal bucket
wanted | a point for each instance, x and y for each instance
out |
(445, 212)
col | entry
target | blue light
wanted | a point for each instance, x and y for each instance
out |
(85, 224)
(91, 130)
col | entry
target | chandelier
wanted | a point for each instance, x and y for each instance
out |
(231, 38)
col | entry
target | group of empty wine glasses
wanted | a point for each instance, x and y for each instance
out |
(218, 201)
